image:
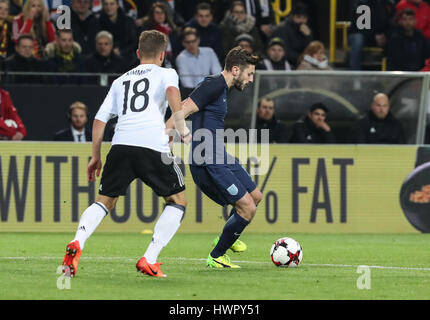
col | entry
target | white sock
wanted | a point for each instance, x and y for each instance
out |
(164, 230)
(89, 221)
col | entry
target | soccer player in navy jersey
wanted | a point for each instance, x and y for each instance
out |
(219, 175)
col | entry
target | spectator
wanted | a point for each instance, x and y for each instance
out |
(236, 22)
(34, 19)
(210, 34)
(295, 33)
(5, 30)
(11, 126)
(122, 28)
(407, 49)
(276, 58)
(64, 55)
(278, 132)
(85, 25)
(23, 61)
(378, 126)
(426, 67)
(186, 8)
(194, 63)
(245, 41)
(422, 14)
(77, 131)
(382, 14)
(313, 128)
(158, 19)
(262, 11)
(104, 60)
(314, 57)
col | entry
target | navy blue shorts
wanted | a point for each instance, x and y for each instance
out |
(224, 184)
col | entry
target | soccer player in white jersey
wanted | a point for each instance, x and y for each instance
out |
(139, 98)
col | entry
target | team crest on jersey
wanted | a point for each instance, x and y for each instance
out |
(233, 190)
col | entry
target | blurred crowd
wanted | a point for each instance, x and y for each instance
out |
(103, 37)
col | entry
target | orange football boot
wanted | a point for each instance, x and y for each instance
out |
(71, 259)
(150, 269)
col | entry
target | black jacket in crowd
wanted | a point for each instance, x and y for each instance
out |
(371, 130)
(305, 131)
(17, 63)
(111, 64)
(407, 53)
(67, 135)
(84, 32)
(295, 41)
(124, 33)
(278, 132)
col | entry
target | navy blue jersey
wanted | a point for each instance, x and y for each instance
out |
(210, 96)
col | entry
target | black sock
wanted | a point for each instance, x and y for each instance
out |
(231, 232)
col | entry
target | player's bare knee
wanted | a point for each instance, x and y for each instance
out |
(179, 199)
(108, 202)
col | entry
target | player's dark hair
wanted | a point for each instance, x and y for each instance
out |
(152, 43)
(238, 57)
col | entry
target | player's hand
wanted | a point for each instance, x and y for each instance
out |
(171, 133)
(93, 169)
(187, 138)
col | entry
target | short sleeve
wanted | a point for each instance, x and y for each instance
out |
(171, 79)
(207, 91)
(108, 108)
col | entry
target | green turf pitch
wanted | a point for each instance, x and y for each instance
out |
(400, 268)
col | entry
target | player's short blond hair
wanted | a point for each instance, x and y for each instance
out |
(152, 43)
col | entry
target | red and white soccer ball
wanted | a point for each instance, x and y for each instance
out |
(286, 252)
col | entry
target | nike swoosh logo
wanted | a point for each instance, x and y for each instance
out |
(237, 234)
(154, 272)
(224, 265)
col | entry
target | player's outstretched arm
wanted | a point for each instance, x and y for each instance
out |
(188, 107)
(95, 165)
(177, 120)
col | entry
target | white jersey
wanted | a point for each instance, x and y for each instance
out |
(139, 100)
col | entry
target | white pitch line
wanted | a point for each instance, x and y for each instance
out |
(202, 259)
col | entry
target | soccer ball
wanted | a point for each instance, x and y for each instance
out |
(286, 252)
